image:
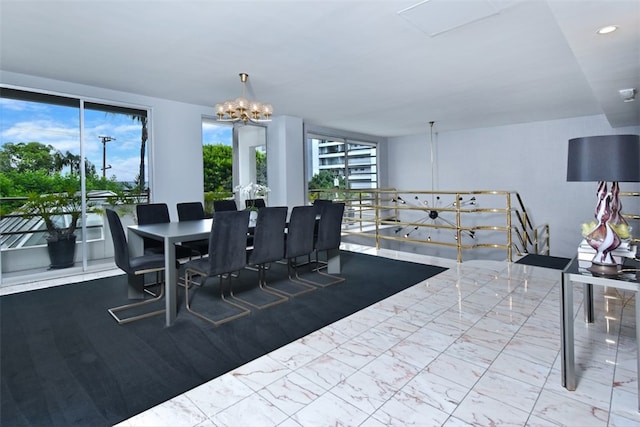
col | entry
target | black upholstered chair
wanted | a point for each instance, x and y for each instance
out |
(149, 263)
(158, 213)
(328, 239)
(268, 247)
(299, 243)
(227, 254)
(190, 211)
(193, 211)
(255, 203)
(152, 213)
(224, 205)
(320, 204)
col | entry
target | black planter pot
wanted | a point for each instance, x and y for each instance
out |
(62, 252)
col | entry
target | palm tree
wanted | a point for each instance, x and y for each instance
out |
(143, 147)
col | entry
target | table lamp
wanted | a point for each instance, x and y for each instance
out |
(603, 159)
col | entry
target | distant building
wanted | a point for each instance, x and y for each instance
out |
(356, 162)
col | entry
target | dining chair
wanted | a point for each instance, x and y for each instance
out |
(193, 211)
(254, 203)
(158, 213)
(152, 213)
(224, 205)
(328, 239)
(227, 254)
(298, 243)
(190, 211)
(319, 204)
(268, 247)
(140, 265)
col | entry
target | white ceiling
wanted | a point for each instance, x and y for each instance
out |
(356, 65)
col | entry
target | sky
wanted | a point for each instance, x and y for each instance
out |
(59, 126)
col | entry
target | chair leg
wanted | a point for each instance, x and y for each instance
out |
(118, 309)
(262, 285)
(320, 265)
(188, 277)
(295, 279)
(147, 286)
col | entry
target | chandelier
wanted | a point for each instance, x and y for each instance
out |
(243, 109)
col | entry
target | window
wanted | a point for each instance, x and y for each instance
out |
(231, 155)
(43, 139)
(340, 163)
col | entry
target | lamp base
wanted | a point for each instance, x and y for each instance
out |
(604, 269)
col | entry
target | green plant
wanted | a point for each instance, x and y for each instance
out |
(251, 191)
(54, 209)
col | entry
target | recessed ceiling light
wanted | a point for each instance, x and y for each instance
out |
(608, 29)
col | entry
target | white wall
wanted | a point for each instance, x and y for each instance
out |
(528, 158)
(285, 168)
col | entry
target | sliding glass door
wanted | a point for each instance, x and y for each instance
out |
(52, 146)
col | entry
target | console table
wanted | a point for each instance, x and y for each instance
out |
(571, 275)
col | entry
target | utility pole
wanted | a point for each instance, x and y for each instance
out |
(105, 139)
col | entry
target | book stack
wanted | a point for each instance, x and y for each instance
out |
(586, 253)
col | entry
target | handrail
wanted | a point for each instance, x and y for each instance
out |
(476, 219)
(23, 223)
(629, 216)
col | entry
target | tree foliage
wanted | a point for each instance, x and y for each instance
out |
(29, 156)
(35, 168)
(261, 168)
(218, 168)
(325, 180)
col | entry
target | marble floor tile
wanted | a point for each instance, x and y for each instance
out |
(436, 391)
(562, 410)
(508, 390)
(329, 409)
(291, 393)
(244, 413)
(364, 391)
(218, 394)
(456, 370)
(404, 410)
(260, 372)
(521, 369)
(481, 410)
(326, 371)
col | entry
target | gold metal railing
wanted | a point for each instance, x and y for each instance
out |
(462, 220)
(632, 218)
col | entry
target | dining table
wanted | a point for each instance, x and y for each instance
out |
(170, 233)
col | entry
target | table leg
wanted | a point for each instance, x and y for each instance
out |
(170, 281)
(588, 303)
(333, 261)
(135, 283)
(567, 343)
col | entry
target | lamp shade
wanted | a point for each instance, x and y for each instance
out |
(604, 158)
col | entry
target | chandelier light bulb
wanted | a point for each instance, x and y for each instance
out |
(243, 109)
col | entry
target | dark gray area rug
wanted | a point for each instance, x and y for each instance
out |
(546, 261)
(64, 361)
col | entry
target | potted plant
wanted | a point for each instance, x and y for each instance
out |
(60, 213)
(251, 192)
